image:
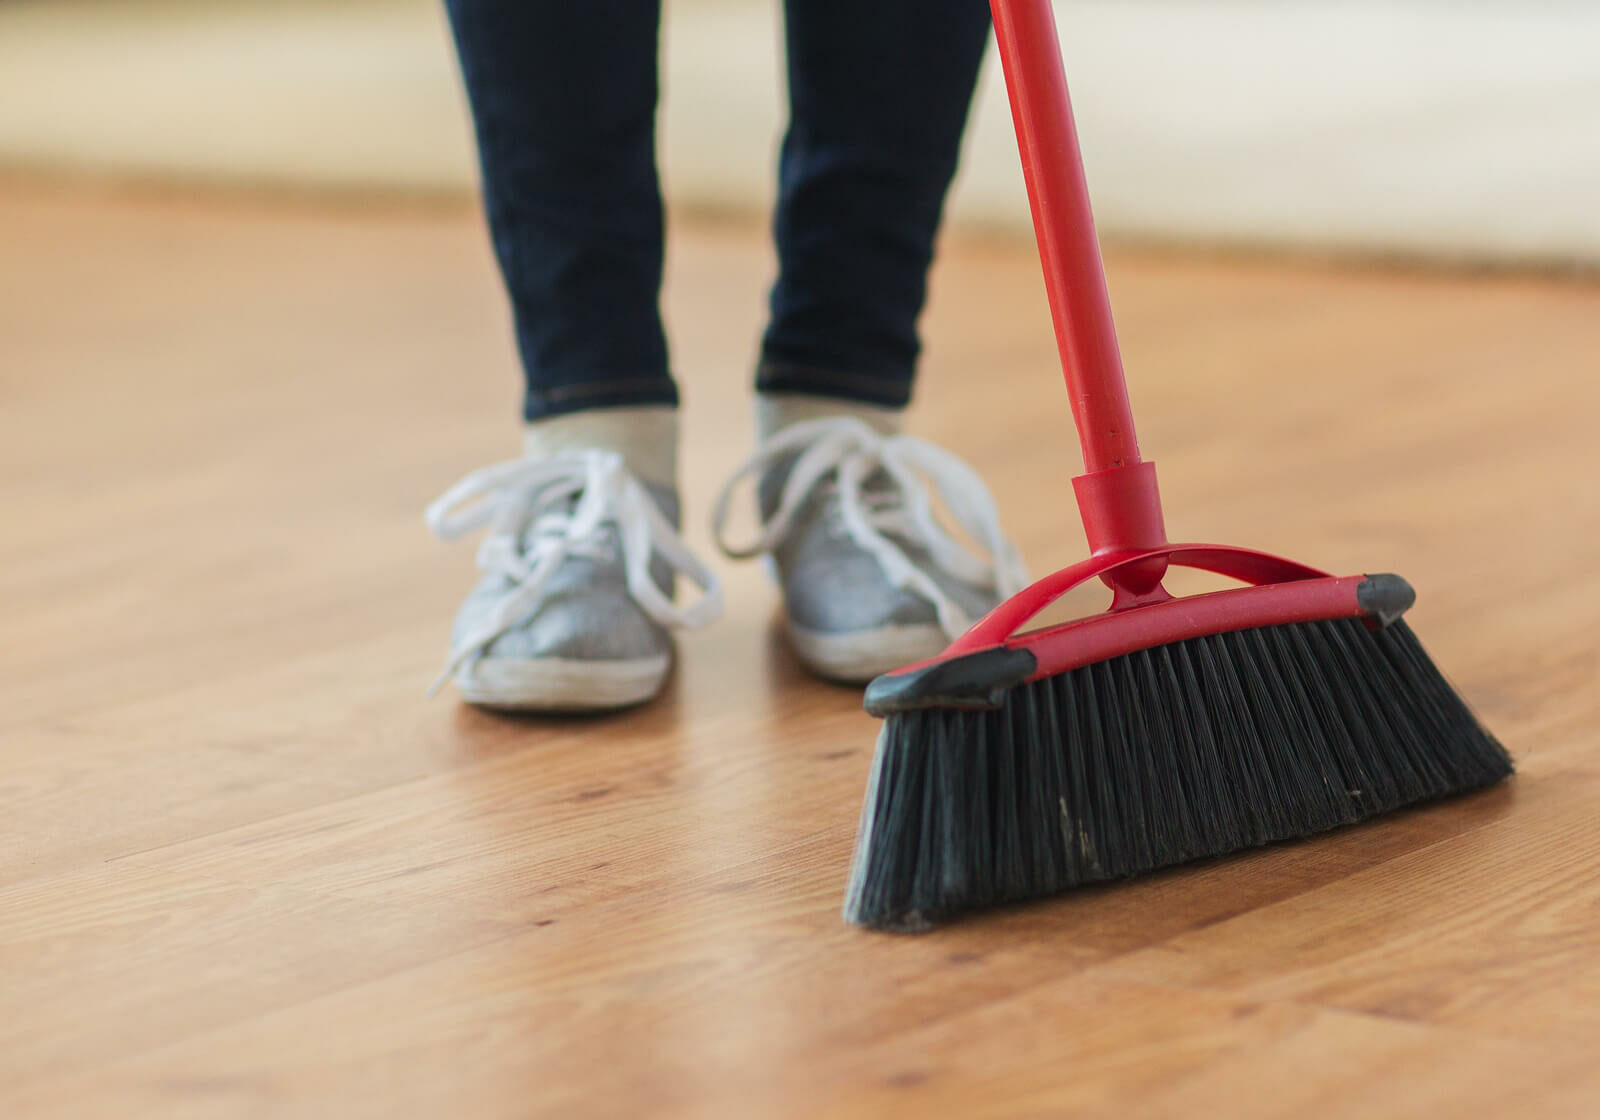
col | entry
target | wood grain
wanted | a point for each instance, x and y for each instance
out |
(247, 869)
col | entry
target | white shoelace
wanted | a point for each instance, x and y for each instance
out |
(509, 496)
(856, 451)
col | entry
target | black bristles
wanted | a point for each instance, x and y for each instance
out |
(1184, 751)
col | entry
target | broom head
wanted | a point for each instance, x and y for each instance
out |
(1015, 766)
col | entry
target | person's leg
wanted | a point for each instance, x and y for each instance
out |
(879, 95)
(563, 97)
(575, 601)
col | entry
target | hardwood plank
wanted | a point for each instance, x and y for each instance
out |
(490, 1033)
(155, 957)
(246, 868)
(1492, 930)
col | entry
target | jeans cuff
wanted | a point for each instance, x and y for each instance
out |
(779, 377)
(537, 404)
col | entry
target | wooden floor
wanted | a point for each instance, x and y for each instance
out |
(246, 868)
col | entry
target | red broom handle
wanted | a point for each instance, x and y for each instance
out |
(1073, 274)
(1117, 493)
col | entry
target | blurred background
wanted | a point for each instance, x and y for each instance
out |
(1456, 130)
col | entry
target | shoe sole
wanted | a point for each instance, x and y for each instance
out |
(859, 656)
(558, 685)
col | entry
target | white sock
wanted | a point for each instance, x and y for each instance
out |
(777, 411)
(646, 436)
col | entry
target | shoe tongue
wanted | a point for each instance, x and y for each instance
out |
(666, 501)
(770, 490)
(566, 507)
(661, 571)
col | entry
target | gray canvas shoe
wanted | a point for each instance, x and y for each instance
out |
(871, 580)
(576, 601)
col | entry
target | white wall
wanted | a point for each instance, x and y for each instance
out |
(1440, 128)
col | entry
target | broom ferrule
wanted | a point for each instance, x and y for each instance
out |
(1121, 510)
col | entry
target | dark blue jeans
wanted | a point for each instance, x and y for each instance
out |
(563, 94)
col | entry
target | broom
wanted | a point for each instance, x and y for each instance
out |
(1017, 765)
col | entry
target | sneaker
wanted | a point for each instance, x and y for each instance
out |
(871, 580)
(575, 606)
